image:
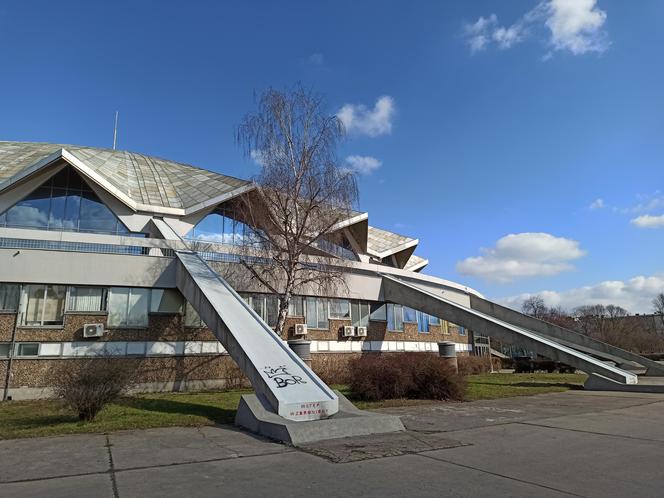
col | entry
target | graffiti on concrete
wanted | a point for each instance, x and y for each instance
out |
(281, 376)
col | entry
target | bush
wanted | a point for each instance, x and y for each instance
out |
(377, 377)
(332, 368)
(474, 365)
(87, 386)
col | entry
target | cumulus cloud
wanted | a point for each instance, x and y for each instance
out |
(522, 255)
(373, 122)
(596, 204)
(648, 221)
(575, 26)
(635, 294)
(363, 165)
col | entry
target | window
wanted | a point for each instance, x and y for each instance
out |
(409, 315)
(378, 312)
(128, 307)
(265, 306)
(65, 202)
(44, 304)
(296, 306)
(86, 299)
(166, 301)
(434, 320)
(9, 294)
(423, 322)
(359, 313)
(462, 330)
(222, 227)
(4, 349)
(191, 317)
(445, 327)
(27, 349)
(339, 309)
(394, 317)
(316, 312)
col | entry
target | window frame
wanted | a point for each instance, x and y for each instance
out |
(23, 307)
(103, 305)
(18, 297)
(130, 293)
(17, 349)
(397, 314)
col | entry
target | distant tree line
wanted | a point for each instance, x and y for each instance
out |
(608, 323)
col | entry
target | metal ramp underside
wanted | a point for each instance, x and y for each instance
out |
(407, 294)
(281, 380)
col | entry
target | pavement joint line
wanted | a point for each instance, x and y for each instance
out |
(544, 486)
(111, 470)
(144, 467)
(619, 436)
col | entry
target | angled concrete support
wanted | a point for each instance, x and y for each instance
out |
(401, 292)
(565, 336)
(282, 381)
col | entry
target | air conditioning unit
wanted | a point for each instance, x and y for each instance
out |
(301, 329)
(361, 332)
(349, 331)
(93, 330)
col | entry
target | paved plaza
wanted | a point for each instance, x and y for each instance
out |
(565, 444)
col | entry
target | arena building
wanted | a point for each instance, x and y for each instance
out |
(88, 266)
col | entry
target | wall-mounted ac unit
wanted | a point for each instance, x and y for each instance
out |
(301, 329)
(93, 330)
(349, 331)
(361, 332)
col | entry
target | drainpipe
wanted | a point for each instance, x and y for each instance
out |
(12, 345)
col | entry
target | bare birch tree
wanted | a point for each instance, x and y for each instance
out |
(302, 194)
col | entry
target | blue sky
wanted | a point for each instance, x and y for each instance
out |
(500, 123)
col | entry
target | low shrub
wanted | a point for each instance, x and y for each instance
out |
(474, 365)
(87, 386)
(377, 377)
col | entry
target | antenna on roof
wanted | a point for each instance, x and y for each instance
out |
(115, 130)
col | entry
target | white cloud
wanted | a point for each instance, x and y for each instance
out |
(372, 122)
(648, 221)
(646, 202)
(597, 204)
(575, 26)
(363, 165)
(522, 255)
(635, 294)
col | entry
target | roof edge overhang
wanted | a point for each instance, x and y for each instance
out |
(394, 250)
(350, 221)
(417, 266)
(89, 173)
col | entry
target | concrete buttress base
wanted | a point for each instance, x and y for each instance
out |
(596, 382)
(253, 415)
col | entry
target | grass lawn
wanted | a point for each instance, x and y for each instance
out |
(50, 417)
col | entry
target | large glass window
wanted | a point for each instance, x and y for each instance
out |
(43, 304)
(378, 312)
(409, 315)
(296, 306)
(65, 202)
(128, 307)
(423, 322)
(359, 313)
(4, 349)
(87, 299)
(9, 294)
(339, 309)
(394, 317)
(222, 227)
(317, 311)
(265, 306)
(166, 301)
(192, 318)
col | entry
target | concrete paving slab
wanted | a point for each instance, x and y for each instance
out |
(458, 416)
(176, 445)
(23, 459)
(576, 462)
(98, 486)
(355, 449)
(299, 474)
(636, 422)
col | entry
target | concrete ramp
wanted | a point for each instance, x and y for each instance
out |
(565, 336)
(283, 383)
(407, 294)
